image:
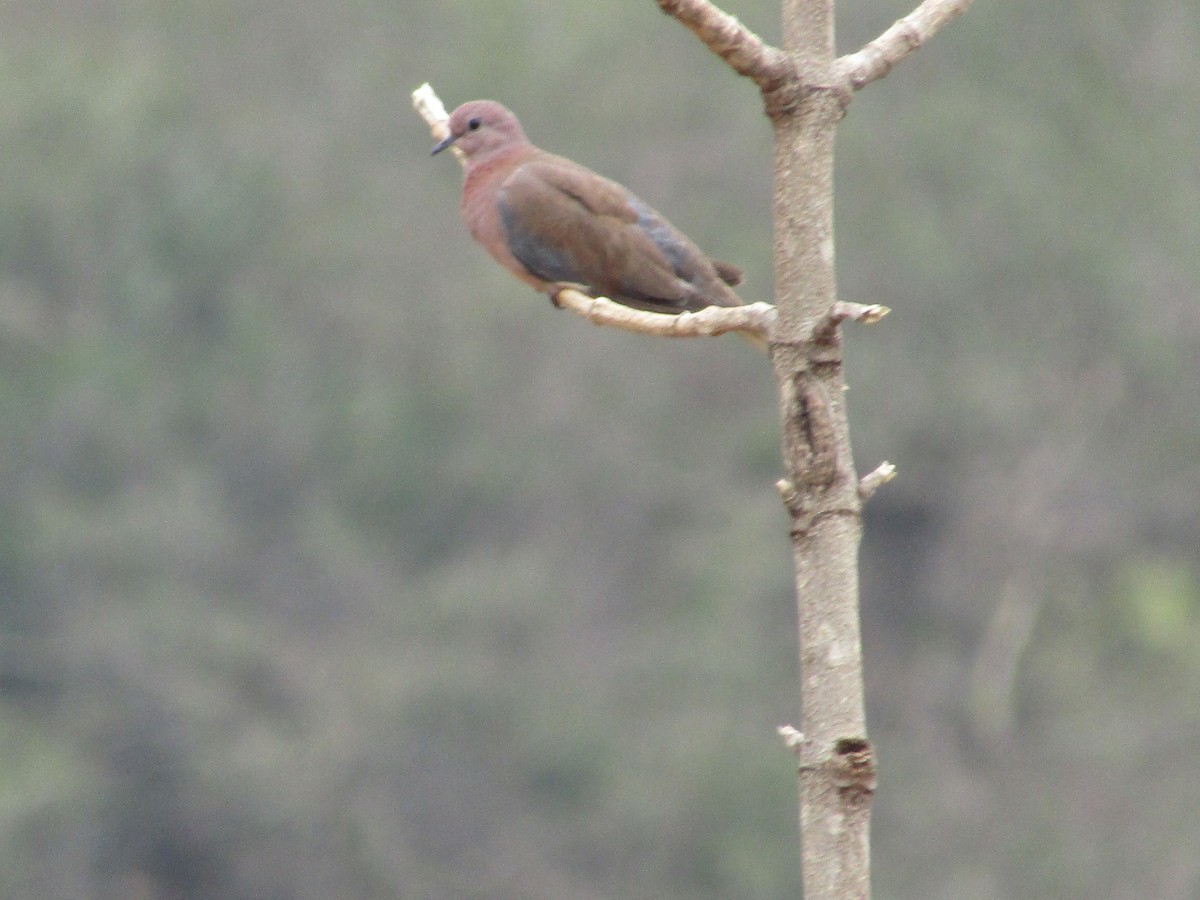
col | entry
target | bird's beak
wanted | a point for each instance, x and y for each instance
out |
(443, 144)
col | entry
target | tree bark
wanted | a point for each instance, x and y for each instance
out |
(805, 91)
(837, 775)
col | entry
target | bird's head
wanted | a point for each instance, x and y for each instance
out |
(481, 127)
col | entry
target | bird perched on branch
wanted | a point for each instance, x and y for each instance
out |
(555, 224)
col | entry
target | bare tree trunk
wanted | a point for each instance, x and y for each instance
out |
(805, 90)
(837, 771)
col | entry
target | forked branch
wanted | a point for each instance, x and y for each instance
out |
(775, 72)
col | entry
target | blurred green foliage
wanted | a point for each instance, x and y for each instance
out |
(333, 563)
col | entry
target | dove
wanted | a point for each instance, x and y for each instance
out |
(555, 224)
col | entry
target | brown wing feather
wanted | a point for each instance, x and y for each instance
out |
(568, 227)
(568, 224)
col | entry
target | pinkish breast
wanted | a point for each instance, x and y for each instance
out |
(481, 212)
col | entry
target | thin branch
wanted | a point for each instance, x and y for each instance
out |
(755, 320)
(903, 39)
(747, 53)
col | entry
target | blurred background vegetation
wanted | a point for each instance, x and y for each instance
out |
(336, 563)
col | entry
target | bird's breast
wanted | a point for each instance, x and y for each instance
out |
(481, 213)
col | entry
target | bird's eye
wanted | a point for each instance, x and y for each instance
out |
(474, 124)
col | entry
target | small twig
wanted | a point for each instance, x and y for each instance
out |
(825, 331)
(863, 313)
(430, 108)
(905, 37)
(874, 480)
(792, 498)
(792, 739)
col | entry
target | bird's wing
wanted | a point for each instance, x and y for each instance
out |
(567, 224)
